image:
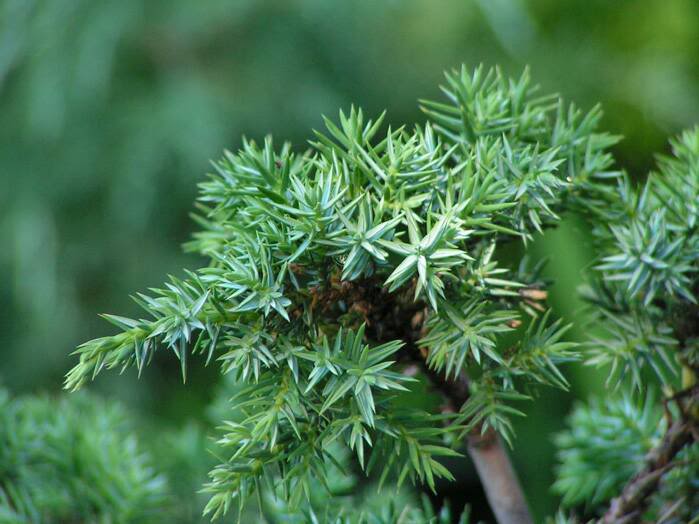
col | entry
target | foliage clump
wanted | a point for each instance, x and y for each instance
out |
(73, 460)
(333, 268)
(604, 446)
(340, 277)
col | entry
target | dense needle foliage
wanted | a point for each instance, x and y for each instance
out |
(341, 276)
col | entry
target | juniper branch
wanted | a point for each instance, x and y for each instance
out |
(629, 506)
(320, 263)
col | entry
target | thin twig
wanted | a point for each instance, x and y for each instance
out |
(493, 464)
(629, 506)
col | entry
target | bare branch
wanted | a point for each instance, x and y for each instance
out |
(493, 464)
(629, 506)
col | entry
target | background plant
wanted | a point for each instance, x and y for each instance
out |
(73, 460)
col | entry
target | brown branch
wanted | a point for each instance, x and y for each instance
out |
(692, 391)
(628, 507)
(499, 478)
(486, 449)
(495, 470)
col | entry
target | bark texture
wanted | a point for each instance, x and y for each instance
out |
(499, 479)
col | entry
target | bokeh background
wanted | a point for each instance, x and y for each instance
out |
(110, 112)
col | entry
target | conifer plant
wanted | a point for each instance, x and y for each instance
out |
(343, 278)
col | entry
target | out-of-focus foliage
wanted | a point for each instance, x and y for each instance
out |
(73, 460)
(678, 500)
(112, 109)
(645, 284)
(603, 446)
(183, 455)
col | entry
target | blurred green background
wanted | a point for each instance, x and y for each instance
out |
(111, 110)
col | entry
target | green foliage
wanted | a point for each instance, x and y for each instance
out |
(377, 511)
(123, 110)
(183, 455)
(643, 297)
(604, 445)
(119, 111)
(324, 263)
(333, 269)
(73, 460)
(635, 337)
(346, 499)
(645, 291)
